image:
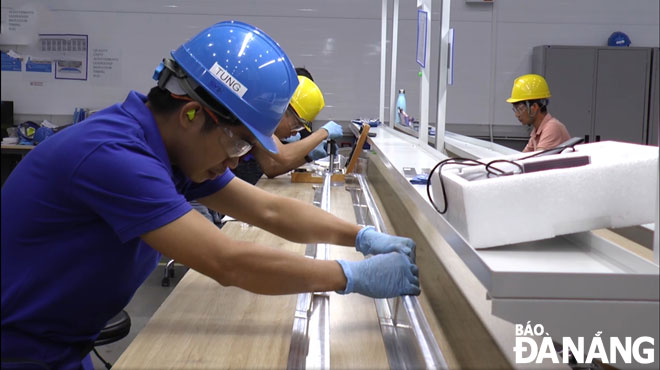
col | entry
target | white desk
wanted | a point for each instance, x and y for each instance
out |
(574, 285)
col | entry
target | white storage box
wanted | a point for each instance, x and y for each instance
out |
(617, 189)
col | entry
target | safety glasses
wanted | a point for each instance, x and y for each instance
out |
(234, 145)
(519, 109)
(299, 122)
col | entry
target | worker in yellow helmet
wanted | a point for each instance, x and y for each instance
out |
(529, 98)
(307, 101)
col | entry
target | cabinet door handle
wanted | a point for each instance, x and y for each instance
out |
(597, 137)
(586, 139)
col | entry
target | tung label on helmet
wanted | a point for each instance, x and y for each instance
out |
(230, 81)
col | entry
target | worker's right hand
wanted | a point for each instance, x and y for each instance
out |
(292, 138)
(335, 131)
(370, 241)
(381, 276)
(320, 152)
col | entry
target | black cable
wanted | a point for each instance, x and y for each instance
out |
(490, 169)
(106, 363)
(438, 166)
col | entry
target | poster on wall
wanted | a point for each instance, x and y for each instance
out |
(105, 64)
(38, 70)
(18, 24)
(38, 65)
(68, 53)
(11, 62)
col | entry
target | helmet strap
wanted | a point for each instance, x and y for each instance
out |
(175, 80)
(540, 103)
(529, 109)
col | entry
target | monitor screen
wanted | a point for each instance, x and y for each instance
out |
(7, 119)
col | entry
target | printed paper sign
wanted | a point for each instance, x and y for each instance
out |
(19, 25)
(105, 65)
(10, 63)
(69, 54)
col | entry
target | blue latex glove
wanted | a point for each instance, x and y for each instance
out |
(319, 152)
(292, 138)
(370, 241)
(381, 276)
(335, 131)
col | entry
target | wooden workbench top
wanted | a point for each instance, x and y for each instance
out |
(203, 325)
(16, 147)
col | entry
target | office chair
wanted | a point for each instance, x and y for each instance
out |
(117, 328)
(168, 273)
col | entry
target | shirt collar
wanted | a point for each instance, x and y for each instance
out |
(545, 120)
(135, 106)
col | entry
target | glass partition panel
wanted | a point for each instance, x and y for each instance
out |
(417, 81)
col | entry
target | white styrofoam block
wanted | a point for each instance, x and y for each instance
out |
(617, 189)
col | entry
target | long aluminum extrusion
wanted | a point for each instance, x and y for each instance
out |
(407, 336)
(409, 341)
(310, 339)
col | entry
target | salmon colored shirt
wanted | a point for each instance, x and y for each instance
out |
(550, 134)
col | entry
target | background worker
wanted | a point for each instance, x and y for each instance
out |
(302, 71)
(529, 97)
(306, 102)
(94, 207)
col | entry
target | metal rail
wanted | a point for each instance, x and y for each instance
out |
(409, 341)
(310, 339)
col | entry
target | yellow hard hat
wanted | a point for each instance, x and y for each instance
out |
(307, 100)
(529, 87)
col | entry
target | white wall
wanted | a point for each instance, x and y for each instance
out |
(339, 41)
(494, 45)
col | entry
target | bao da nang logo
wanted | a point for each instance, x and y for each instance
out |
(613, 350)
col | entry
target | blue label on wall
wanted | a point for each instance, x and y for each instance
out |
(39, 66)
(10, 64)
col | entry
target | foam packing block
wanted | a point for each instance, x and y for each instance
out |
(616, 189)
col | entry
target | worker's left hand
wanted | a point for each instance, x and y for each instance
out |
(320, 152)
(335, 131)
(370, 241)
(382, 276)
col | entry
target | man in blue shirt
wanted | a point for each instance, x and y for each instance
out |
(95, 206)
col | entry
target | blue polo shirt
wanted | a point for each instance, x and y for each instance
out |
(73, 211)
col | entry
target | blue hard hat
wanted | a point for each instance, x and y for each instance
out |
(26, 131)
(244, 69)
(618, 38)
(42, 134)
